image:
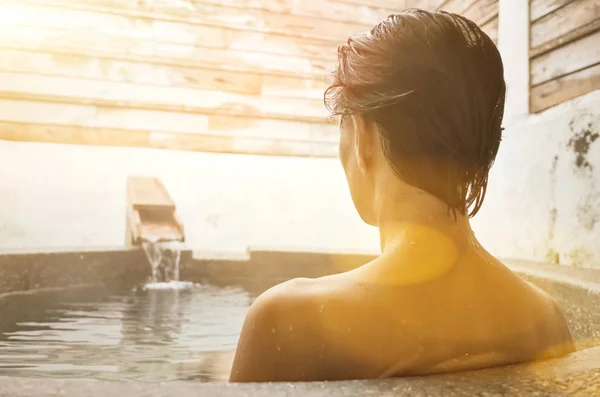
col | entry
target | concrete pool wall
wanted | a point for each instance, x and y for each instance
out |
(576, 290)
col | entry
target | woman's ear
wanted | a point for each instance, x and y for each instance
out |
(364, 135)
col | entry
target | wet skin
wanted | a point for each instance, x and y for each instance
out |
(430, 303)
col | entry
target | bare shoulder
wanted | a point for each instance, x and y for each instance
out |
(545, 322)
(554, 331)
(277, 336)
(289, 299)
(288, 291)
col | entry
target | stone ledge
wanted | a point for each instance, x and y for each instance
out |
(575, 375)
(587, 278)
(25, 270)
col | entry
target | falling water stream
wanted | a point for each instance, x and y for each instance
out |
(164, 258)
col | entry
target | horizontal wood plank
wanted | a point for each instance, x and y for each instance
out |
(540, 8)
(68, 134)
(491, 29)
(564, 20)
(360, 12)
(149, 30)
(301, 64)
(564, 88)
(482, 11)
(20, 108)
(169, 98)
(422, 4)
(560, 41)
(394, 5)
(324, 10)
(390, 5)
(202, 18)
(146, 72)
(479, 11)
(574, 56)
(457, 6)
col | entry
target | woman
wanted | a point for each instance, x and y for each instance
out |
(421, 99)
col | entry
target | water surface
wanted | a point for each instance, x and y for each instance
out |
(146, 335)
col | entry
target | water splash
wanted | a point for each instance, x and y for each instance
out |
(164, 258)
(170, 285)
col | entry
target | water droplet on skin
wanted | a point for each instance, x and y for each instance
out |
(412, 242)
(278, 348)
(321, 308)
(272, 330)
(430, 216)
(466, 354)
(291, 328)
(349, 329)
(253, 326)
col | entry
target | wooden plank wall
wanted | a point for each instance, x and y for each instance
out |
(483, 12)
(243, 76)
(564, 50)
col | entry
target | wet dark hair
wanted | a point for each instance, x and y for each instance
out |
(433, 83)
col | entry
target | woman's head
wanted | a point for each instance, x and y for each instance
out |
(422, 95)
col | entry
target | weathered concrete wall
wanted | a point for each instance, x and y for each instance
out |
(543, 201)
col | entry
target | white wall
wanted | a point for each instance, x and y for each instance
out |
(65, 195)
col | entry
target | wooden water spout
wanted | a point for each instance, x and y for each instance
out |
(151, 213)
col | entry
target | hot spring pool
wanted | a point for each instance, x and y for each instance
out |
(62, 341)
(162, 335)
(133, 334)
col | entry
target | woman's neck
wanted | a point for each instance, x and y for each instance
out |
(398, 215)
(421, 238)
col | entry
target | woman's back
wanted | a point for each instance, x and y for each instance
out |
(477, 315)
